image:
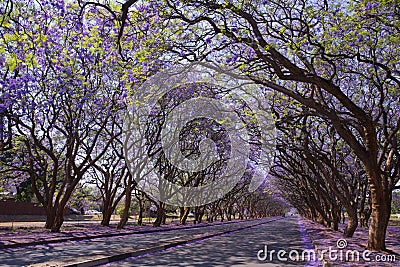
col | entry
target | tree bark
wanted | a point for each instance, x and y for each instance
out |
(160, 215)
(127, 206)
(50, 217)
(184, 212)
(60, 207)
(381, 206)
(198, 214)
(366, 215)
(58, 219)
(141, 209)
(229, 213)
(352, 223)
(107, 213)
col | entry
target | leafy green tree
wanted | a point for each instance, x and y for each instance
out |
(396, 203)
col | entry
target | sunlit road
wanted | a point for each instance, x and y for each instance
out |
(233, 249)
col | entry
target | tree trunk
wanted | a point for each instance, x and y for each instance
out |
(58, 220)
(160, 215)
(141, 209)
(352, 223)
(367, 216)
(164, 218)
(221, 213)
(60, 208)
(335, 220)
(241, 216)
(343, 217)
(210, 217)
(184, 212)
(50, 217)
(381, 205)
(229, 213)
(198, 214)
(107, 213)
(127, 206)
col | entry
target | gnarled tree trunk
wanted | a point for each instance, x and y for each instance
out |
(381, 197)
(50, 217)
(107, 213)
(352, 223)
(183, 215)
(127, 206)
(160, 215)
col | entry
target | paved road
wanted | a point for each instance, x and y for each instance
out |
(235, 249)
(75, 249)
(42, 224)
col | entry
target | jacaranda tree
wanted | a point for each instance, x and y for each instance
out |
(339, 59)
(63, 91)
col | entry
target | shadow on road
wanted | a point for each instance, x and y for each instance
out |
(235, 249)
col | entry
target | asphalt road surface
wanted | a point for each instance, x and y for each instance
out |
(237, 248)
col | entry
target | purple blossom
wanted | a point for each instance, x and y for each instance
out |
(6, 96)
(368, 6)
(3, 108)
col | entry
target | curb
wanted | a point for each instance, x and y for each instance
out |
(99, 259)
(80, 238)
(324, 262)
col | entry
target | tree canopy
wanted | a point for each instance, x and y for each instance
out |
(328, 70)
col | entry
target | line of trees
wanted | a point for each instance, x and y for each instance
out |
(332, 68)
(337, 60)
(62, 104)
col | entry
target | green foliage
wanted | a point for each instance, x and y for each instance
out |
(84, 197)
(24, 191)
(133, 209)
(396, 203)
